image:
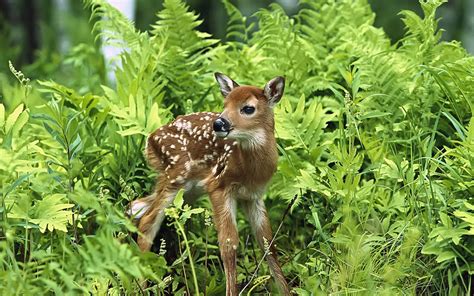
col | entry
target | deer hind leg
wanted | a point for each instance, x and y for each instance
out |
(261, 227)
(151, 221)
(224, 209)
(139, 207)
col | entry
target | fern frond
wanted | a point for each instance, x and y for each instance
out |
(237, 28)
(179, 25)
(299, 127)
(422, 31)
(113, 26)
(185, 52)
(302, 125)
(278, 40)
(322, 25)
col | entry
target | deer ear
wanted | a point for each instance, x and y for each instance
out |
(225, 83)
(273, 90)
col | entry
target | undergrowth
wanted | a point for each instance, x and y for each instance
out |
(376, 140)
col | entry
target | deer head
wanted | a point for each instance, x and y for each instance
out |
(248, 110)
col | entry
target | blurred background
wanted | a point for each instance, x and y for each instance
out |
(38, 35)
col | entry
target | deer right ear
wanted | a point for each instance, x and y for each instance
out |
(225, 83)
(273, 90)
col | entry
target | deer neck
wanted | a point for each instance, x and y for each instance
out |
(257, 159)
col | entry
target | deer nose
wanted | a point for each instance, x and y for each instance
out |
(221, 125)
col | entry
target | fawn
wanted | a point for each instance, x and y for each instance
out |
(231, 156)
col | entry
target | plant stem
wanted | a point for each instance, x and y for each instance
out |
(205, 264)
(193, 271)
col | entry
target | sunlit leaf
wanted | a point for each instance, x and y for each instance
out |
(52, 213)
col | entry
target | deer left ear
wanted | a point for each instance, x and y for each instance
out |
(225, 83)
(273, 90)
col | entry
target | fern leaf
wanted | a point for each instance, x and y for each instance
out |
(302, 125)
(49, 213)
(113, 26)
(185, 53)
(237, 28)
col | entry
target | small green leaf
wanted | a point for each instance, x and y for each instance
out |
(445, 256)
(2, 116)
(153, 118)
(306, 180)
(75, 146)
(188, 213)
(20, 122)
(132, 131)
(374, 114)
(52, 213)
(13, 117)
(179, 200)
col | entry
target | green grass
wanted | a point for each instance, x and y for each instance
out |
(376, 140)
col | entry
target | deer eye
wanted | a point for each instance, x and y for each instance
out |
(247, 110)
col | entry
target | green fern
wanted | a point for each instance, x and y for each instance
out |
(49, 213)
(237, 28)
(280, 45)
(302, 125)
(186, 53)
(112, 26)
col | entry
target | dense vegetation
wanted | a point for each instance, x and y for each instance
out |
(376, 141)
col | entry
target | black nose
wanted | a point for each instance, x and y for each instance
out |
(221, 125)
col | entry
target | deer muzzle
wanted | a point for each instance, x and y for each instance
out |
(222, 127)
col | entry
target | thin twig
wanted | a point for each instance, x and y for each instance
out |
(139, 287)
(245, 251)
(267, 251)
(182, 265)
(205, 264)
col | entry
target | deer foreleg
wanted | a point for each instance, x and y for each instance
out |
(224, 208)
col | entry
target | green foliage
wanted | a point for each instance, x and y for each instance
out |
(376, 139)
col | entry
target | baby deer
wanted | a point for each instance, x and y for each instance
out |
(231, 156)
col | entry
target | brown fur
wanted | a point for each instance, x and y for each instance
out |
(188, 154)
